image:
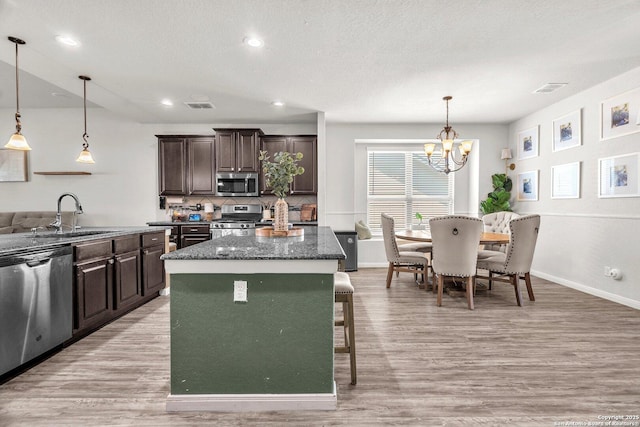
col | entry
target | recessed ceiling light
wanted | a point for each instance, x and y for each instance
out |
(66, 40)
(277, 104)
(167, 102)
(253, 42)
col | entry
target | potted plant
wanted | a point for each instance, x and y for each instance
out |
(279, 175)
(498, 199)
(419, 225)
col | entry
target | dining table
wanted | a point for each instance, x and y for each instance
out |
(425, 236)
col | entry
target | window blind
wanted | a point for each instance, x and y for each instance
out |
(401, 183)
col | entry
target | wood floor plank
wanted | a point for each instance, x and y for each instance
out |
(567, 357)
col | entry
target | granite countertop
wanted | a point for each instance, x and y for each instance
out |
(16, 243)
(316, 243)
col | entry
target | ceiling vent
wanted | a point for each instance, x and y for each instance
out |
(550, 87)
(197, 105)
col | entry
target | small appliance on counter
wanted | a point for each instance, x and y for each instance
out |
(195, 217)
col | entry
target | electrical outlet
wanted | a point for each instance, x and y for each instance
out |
(239, 291)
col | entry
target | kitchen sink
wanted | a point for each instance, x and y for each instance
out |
(69, 234)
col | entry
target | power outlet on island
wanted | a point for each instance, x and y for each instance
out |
(239, 291)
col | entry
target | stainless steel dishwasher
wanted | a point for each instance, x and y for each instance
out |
(35, 304)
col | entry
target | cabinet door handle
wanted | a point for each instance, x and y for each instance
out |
(154, 239)
(194, 230)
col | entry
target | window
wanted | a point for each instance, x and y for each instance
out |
(401, 183)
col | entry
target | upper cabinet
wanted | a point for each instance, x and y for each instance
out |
(307, 183)
(237, 150)
(186, 165)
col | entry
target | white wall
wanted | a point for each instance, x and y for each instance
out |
(123, 187)
(578, 237)
(472, 182)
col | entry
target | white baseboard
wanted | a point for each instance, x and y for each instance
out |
(165, 291)
(252, 402)
(589, 290)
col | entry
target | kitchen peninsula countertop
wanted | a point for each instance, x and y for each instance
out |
(317, 243)
(16, 243)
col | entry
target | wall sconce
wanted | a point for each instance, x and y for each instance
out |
(506, 156)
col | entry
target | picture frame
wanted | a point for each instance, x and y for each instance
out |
(567, 131)
(619, 176)
(565, 181)
(528, 143)
(620, 115)
(13, 165)
(527, 189)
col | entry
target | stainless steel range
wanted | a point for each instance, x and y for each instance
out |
(238, 220)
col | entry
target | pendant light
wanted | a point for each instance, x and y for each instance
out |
(85, 154)
(17, 141)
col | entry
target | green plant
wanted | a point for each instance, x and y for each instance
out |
(498, 199)
(279, 173)
(419, 217)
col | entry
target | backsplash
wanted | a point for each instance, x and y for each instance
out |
(189, 204)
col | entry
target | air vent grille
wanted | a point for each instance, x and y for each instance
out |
(196, 105)
(550, 87)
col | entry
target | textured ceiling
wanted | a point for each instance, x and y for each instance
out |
(356, 60)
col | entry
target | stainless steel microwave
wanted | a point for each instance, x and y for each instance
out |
(237, 184)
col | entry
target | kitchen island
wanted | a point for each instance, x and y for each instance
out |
(252, 323)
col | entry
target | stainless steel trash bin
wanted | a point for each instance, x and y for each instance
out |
(349, 242)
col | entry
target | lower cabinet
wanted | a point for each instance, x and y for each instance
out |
(127, 274)
(152, 266)
(193, 234)
(113, 276)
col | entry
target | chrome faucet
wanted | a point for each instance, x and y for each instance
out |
(57, 224)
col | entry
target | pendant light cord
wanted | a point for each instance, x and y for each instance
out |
(18, 124)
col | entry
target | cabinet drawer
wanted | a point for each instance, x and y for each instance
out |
(152, 239)
(194, 229)
(126, 244)
(93, 249)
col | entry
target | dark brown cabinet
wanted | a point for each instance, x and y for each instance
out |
(93, 287)
(127, 275)
(172, 166)
(113, 276)
(193, 234)
(186, 165)
(152, 266)
(307, 183)
(237, 150)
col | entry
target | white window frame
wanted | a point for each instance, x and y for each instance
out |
(407, 198)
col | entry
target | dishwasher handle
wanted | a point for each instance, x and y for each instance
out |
(38, 262)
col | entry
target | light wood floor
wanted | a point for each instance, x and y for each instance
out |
(567, 357)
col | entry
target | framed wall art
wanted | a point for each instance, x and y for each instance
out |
(619, 176)
(565, 181)
(528, 186)
(528, 143)
(620, 115)
(13, 165)
(567, 131)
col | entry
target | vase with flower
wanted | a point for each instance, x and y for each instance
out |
(279, 175)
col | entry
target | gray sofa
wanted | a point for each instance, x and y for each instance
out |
(23, 222)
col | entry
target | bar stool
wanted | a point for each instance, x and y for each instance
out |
(344, 294)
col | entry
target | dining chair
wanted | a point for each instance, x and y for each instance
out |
(455, 251)
(400, 261)
(497, 222)
(514, 264)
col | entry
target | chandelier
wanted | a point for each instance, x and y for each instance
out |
(451, 160)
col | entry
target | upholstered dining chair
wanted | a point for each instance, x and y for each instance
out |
(455, 251)
(497, 222)
(400, 261)
(514, 264)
